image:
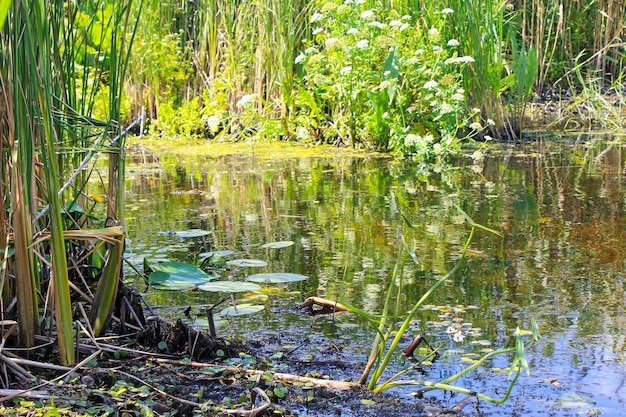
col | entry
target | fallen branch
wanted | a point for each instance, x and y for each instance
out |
(317, 382)
(11, 393)
(317, 305)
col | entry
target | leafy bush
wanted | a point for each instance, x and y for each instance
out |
(384, 81)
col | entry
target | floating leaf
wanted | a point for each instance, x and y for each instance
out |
(203, 322)
(276, 278)
(573, 399)
(177, 276)
(229, 286)
(182, 269)
(162, 281)
(247, 262)
(278, 245)
(240, 310)
(183, 234)
(215, 254)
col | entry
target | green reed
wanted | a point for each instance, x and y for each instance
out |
(54, 60)
(391, 326)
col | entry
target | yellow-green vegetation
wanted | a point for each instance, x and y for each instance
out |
(418, 78)
(260, 150)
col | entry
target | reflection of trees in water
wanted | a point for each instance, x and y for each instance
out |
(561, 212)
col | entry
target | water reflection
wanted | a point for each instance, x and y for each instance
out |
(561, 261)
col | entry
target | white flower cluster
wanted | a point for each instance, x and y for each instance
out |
(476, 126)
(246, 101)
(367, 15)
(418, 141)
(460, 60)
(331, 42)
(213, 123)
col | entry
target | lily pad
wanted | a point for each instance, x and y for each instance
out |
(276, 278)
(241, 310)
(178, 276)
(229, 286)
(216, 254)
(183, 234)
(575, 400)
(247, 262)
(278, 245)
(165, 281)
(204, 322)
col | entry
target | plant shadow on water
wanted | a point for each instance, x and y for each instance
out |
(559, 204)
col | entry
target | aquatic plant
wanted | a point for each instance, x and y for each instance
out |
(391, 327)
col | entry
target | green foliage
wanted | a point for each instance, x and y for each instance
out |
(386, 81)
(56, 57)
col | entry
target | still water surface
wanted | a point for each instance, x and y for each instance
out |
(561, 262)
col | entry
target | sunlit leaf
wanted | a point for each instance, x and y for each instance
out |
(229, 286)
(574, 400)
(216, 254)
(165, 281)
(241, 310)
(278, 245)
(276, 278)
(203, 322)
(183, 234)
(177, 276)
(181, 269)
(247, 262)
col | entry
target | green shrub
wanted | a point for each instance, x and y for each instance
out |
(383, 81)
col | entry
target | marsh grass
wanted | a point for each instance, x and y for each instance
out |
(56, 59)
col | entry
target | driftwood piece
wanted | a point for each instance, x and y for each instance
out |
(317, 382)
(316, 306)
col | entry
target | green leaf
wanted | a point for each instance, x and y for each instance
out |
(276, 278)
(280, 391)
(5, 5)
(473, 223)
(368, 402)
(181, 269)
(278, 245)
(178, 276)
(247, 262)
(391, 67)
(241, 310)
(215, 254)
(229, 286)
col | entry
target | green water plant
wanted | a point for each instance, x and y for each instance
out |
(391, 326)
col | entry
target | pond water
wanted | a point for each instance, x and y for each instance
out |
(561, 261)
